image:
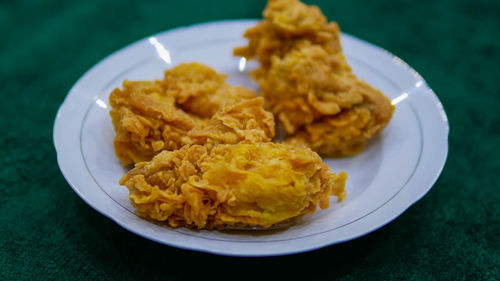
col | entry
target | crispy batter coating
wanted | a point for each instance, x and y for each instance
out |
(308, 83)
(151, 116)
(146, 121)
(245, 184)
(242, 122)
(201, 91)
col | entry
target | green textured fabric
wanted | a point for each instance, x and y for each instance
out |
(48, 232)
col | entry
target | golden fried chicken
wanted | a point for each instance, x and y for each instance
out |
(308, 84)
(245, 184)
(151, 116)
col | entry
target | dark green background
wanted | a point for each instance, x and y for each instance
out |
(48, 232)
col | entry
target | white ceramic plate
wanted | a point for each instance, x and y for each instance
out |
(395, 171)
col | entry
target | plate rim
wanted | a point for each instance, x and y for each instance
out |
(427, 90)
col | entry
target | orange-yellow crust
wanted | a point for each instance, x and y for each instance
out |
(201, 91)
(151, 116)
(308, 84)
(242, 122)
(245, 184)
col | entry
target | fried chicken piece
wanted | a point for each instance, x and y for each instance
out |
(151, 116)
(308, 83)
(245, 184)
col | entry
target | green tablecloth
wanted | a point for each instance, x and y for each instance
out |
(48, 232)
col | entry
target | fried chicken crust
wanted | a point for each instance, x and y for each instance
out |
(308, 84)
(245, 184)
(151, 116)
(243, 122)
